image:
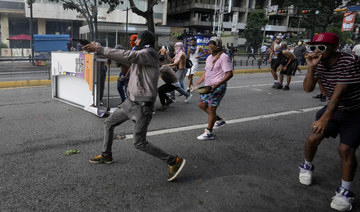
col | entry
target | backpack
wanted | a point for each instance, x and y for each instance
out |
(189, 64)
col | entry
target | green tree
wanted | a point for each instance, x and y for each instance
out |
(316, 23)
(148, 14)
(88, 9)
(253, 33)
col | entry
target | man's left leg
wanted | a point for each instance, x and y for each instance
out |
(142, 115)
(344, 197)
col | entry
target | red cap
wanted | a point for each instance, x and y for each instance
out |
(326, 37)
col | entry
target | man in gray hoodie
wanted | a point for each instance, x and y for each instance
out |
(142, 88)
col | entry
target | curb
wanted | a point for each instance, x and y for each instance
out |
(29, 83)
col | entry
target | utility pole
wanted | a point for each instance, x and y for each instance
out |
(95, 20)
(31, 31)
(127, 25)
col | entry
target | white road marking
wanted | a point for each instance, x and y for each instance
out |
(233, 121)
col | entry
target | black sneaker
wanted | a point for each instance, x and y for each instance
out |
(175, 169)
(275, 85)
(317, 96)
(162, 108)
(170, 101)
(279, 86)
(101, 159)
(286, 88)
(323, 98)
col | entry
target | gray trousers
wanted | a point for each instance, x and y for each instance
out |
(141, 114)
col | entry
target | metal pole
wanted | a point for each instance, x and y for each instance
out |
(108, 83)
(31, 32)
(127, 23)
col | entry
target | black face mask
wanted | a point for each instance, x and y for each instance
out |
(194, 44)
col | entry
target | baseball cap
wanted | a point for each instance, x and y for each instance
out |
(216, 40)
(326, 37)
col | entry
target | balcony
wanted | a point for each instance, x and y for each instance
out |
(186, 8)
(12, 7)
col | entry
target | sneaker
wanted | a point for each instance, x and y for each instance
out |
(275, 85)
(175, 169)
(162, 108)
(101, 159)
(343, 199)
(219, 123)
(187, 99)
(317, 96)
(286, 88)
(279, 86)
(170, 101)
(305, 175)
(323, 98)
(207, 135)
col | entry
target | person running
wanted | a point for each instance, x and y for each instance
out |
(194, 53)
(171, 83)
(339, 74)
(288, 64)
(218, 70)
(252, 52)
(162, 52)
(179, 62)
(275, 50)
(123, 79)
(138, 108)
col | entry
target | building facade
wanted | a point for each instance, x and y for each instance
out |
(171, 17)
(51, 18)
(201, 16)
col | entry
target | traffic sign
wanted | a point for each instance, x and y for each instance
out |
(354, 8)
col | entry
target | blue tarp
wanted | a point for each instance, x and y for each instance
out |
(49, 43)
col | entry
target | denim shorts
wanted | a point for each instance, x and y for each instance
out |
(345, 123)
(215, 97)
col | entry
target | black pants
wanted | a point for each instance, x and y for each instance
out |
(252, 55)
(162, 90)
(103, 71)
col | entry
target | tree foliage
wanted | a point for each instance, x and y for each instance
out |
(88, 9)
(316, 23)
(253, 33)
(148, 14)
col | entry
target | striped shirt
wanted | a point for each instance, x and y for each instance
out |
(345, 71)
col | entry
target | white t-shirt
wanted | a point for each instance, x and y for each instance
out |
(356, 49)
(194, 54)
(263, 49)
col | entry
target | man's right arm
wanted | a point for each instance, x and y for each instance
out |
(310, 80)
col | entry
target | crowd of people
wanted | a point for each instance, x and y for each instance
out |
(337, 73)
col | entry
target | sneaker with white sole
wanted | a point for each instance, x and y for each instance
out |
(188, 98)
(175, 169)
(218, 124)
(305, 175)
(343, 199)
(207, 135)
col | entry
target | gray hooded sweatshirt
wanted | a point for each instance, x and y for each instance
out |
(144, 71)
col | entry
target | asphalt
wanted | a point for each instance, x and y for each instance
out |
(252, 165)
